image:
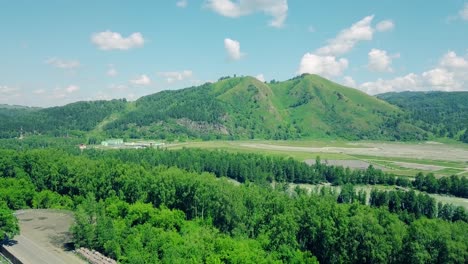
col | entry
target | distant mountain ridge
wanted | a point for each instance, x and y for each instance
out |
(307, 106)
(444, 114)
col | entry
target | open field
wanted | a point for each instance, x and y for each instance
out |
(44, 237)
(406, 159)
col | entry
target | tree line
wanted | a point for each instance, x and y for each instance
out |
(140, 212)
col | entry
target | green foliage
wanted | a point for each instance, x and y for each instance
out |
(8, 222)
(444, 114)
(69, 120)
(138, 207)
(233, 108)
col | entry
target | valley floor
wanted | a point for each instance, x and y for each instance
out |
(405, 159)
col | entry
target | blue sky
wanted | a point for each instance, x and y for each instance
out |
(61, 51)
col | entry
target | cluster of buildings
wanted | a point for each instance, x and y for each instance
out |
(119, 143)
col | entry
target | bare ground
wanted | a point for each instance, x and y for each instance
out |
(44, 237)
(403, 150)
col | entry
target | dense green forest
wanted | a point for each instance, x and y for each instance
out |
(151, 206)
(62, 121)
(307, 106)
(444, 114)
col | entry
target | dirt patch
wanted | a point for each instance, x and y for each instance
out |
(44, 237)
(402, 150)
(419, 166)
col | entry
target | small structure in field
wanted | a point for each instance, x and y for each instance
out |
(112, 142)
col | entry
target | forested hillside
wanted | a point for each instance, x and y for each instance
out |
(74, 119)
(306, 106)
(444, 114)
(130, 206)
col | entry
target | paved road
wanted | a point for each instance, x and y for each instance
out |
(28, 251)
(40, 231)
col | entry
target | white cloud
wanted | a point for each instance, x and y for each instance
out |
(6, 91)
(385, 25)
(452, 61)
(176, 76)
(260, 77)
(404, 83)
(440, 79)
(448, 75)
(464, 12)
(108, 40)
(111, 71)
(233, 49)
(325, 60)
(327, 66)
(348, 38)
(349, 81)
(72, 88)
(63, 64)
(380, 61)
(182, 3)
(141, 80)
(278, 9)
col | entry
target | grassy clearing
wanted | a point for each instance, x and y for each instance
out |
(236, 146)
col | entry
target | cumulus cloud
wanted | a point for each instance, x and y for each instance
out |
(464, 12)
(260, 77)
(174, 76)
(6, 91)
(348, 38)
(385, 25)
(448, 75)
(233, 49)
(380, 61)
(327, 66)
(403, 83)
(277, 9)
(182, 3)
(63, 64)
(108, 40)
(325, 60)
(111, 71)
(142, 80)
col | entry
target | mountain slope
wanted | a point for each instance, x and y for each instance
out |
(444, 114)
(243, 107)
(306, 106)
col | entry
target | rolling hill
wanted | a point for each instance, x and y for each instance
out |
(444, 114)
(307, 106)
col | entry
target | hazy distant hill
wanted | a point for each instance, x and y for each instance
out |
(445, 114)
(307, 106)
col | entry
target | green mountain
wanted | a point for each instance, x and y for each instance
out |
(243, 107)
(444, 114)
(306, 106)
